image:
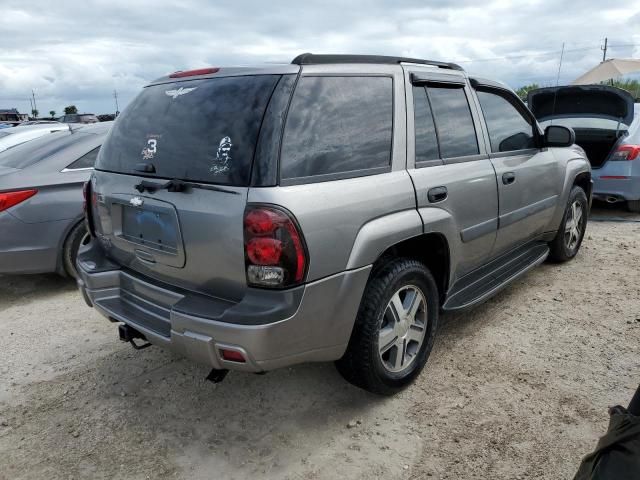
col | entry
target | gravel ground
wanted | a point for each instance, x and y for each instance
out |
(517, 388)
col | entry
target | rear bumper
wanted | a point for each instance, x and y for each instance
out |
(272, 329)
(615, 189)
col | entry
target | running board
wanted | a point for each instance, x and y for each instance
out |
(485, 282)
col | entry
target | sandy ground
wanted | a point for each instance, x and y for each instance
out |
(517, 388)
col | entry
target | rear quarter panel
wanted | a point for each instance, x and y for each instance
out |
(362, 215)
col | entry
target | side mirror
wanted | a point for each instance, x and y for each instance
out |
(559, 136)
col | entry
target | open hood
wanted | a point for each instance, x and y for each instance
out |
(582, 101)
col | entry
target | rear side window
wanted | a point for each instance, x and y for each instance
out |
(453, 119)
(338, 126)
(425, 130)
(508, 129)
(197, 130)
(88, 160)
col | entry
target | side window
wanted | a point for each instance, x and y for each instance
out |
(508, 129)
(338, 125)
(85, 161)
(456, 132)
(425, 130)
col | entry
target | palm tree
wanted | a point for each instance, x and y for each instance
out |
(52, 113)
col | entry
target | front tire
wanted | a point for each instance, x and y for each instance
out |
(567, 241)
(394, 330)
(77, 236)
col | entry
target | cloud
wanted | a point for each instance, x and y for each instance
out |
(79, 52)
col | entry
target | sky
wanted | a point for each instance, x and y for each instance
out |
(79, 52)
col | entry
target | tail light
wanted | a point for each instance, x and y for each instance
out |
(88, 195)
(275, 254)
(10, 199)
(626, 152)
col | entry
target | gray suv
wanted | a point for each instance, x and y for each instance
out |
(326, 210)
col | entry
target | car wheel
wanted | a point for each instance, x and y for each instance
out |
(77, 237)
(394, 329)
(633, 206)
(567, 241)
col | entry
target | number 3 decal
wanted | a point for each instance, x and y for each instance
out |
(152, 145)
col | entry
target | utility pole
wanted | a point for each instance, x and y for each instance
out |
(115, 95)
(35, 107)
(604, 49)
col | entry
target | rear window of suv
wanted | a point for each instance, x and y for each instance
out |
(198, 130)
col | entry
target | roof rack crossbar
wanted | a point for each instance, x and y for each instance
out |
(314, 59)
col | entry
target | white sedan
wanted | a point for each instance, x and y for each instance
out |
(10, 137)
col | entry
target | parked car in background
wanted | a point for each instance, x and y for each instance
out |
(39, 122)
(41, 200)
(79, 118)
(252, 218)
(607, 125)
(5, 125)
(10, 137)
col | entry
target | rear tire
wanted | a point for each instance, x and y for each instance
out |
(633, 206)
(394, 330)
(567, 241)
(77, 236)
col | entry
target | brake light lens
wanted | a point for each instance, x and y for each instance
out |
(626, 152)
(193, 73)
(275, 254)
(10, 199)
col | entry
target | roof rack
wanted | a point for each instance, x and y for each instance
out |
(313, 59)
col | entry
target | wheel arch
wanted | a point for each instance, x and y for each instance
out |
(72, 224)
(425, 235)
(432, 249)
(583, 180)
(577, 172)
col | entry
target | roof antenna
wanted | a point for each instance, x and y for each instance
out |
(555, 94)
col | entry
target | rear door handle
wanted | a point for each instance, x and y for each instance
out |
(508, 178)
(437, 194)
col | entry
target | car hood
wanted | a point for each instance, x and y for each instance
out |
(582, 101)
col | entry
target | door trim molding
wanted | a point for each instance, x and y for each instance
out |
(479, 230)
(526, 211)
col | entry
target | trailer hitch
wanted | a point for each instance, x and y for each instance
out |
(129, 334)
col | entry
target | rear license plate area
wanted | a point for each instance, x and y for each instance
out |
(150, 228)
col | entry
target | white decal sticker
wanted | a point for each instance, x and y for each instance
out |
(180, 91)
(150, 150)
(223, 159)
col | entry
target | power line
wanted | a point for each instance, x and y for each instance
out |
(545, 54)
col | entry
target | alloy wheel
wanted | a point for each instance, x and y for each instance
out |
(574, 225)
(403, 328)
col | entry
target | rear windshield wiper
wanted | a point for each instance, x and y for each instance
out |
(176, 185)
